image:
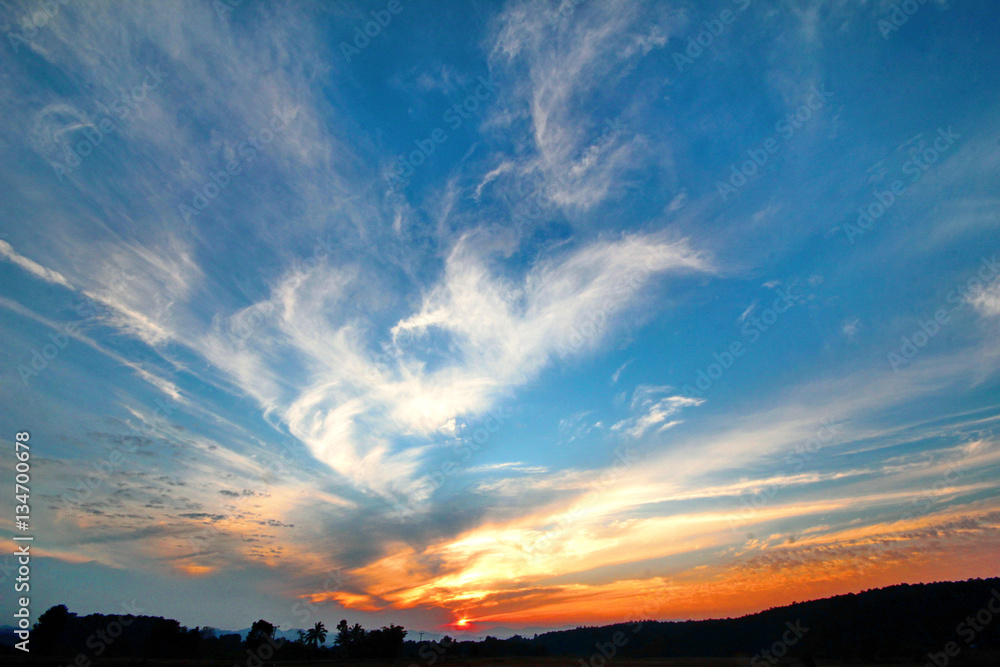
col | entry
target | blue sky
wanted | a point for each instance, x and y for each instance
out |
(507, 312)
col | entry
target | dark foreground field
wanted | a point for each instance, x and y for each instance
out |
(980, 660)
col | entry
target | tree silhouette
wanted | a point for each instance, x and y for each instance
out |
(345, 639)
(50, 627)
(356, 642)
(260, 632)
(877, 625)
(316, 634)
(354, 639)
(342, 635)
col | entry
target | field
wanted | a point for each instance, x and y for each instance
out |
(982, 660)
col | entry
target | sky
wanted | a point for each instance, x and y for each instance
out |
(498, 316)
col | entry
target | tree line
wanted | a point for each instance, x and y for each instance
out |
(86, 639)
(928, 623)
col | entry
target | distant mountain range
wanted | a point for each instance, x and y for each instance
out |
(474, 635)
(288, 635)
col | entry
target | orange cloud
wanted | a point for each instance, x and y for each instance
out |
(486, 576)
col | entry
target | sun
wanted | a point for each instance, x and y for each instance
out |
(462, 622)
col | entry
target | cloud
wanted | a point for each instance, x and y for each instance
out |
(144, 286)
(575, 427)
(570, 59)
(32, 267)
(851, 327)
(475, 337)
(678, 202)
(986, 299)
(746, 313)
(618, 372)
(652, 407)
(587, 539)
(504, 332)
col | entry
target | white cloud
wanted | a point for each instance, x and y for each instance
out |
(568, 60)
(850, 328)
(987, 299)
(618, 373)
(652, 406)
(476, 336)
(144, 286)
(504, 332)
(678, 202)
(746, 313)
(575, 427)
(34, 268)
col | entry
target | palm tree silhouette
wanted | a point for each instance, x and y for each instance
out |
(316, 634)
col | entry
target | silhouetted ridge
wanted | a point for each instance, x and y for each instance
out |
(903, 621)
(916, 622)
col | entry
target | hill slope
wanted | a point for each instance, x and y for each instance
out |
(903, 621)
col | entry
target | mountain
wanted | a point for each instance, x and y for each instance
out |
(7, 636)
(499, 632)
(288, 635)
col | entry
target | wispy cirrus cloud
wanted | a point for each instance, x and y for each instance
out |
(987, 299)
(568, 61)
(477, 336)
(31, 266)
(653, 406)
